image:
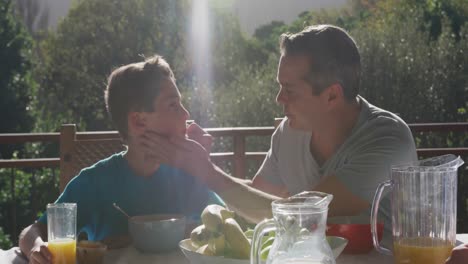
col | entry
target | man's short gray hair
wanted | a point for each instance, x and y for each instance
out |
(334, 57)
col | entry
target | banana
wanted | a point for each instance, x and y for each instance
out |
(213, 216)
(200, 236)
(225, 214)
(238, 242)
(248, 233)
(205, 250)
(242, 222)
(217, 244)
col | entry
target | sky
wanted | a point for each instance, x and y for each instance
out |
(255, 13)
(251, 13)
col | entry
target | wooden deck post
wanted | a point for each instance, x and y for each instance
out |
(239, 156)
(67, 137)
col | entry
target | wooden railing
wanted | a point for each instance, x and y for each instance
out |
(238, 155)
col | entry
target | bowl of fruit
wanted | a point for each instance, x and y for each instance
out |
(220, 239)
(225, 238)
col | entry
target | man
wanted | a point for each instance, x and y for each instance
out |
(332, 140)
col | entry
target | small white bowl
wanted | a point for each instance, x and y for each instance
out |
(156, 233)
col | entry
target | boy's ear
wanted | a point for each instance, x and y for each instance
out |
(137, 122)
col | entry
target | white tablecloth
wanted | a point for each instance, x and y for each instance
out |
(130, 255)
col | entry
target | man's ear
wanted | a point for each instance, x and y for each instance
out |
(334, 95)
(137, 122)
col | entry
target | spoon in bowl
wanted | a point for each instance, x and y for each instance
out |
(120, 210)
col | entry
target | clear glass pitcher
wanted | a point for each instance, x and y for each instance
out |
(299, 222)
(424, 210)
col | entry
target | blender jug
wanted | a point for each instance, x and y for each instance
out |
(424, 210)
(300, 223)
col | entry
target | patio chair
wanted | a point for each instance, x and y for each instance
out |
(78, 151)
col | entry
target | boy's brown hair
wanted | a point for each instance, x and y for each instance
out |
(134, 87)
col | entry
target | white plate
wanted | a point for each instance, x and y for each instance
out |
(337, 245)
(197, 258)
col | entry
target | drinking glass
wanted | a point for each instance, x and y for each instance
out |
(61, 230)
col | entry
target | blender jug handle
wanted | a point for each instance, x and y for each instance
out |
(263, 227)
(374, 213)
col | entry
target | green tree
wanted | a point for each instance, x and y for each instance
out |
(16, 82)
(99, 35)
(409, 70)
(16, 85)
(96, 37)
(268, 35)
(232, 53)
(412, 52)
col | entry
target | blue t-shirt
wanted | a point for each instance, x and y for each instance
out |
(95, 189)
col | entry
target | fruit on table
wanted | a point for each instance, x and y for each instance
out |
(220, 234)
(205, 250)
(214, 215)
(217, 244)
(225, 214)
(264, 252)
(200, 236)
(266, 244)
(239, 243)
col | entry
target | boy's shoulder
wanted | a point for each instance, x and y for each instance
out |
(108, 166)
(110, 162)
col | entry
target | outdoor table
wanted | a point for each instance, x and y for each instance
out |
(130, 255)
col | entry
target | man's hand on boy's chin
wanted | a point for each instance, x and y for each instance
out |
(197, 133)
(182, 153)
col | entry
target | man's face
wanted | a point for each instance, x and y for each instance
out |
(304, 110)
(169, 116)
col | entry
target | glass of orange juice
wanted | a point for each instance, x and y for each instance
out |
(61, 230)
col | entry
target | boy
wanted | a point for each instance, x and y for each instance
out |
(140, 97)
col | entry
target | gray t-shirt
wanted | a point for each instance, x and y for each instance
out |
(378, 140)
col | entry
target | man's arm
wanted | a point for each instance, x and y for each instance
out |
(344, 202)
(189, 156)
(260, 183)
(32, 243)
(249, 202)
(253, 200)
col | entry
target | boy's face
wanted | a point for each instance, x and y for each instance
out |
(169, 116)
